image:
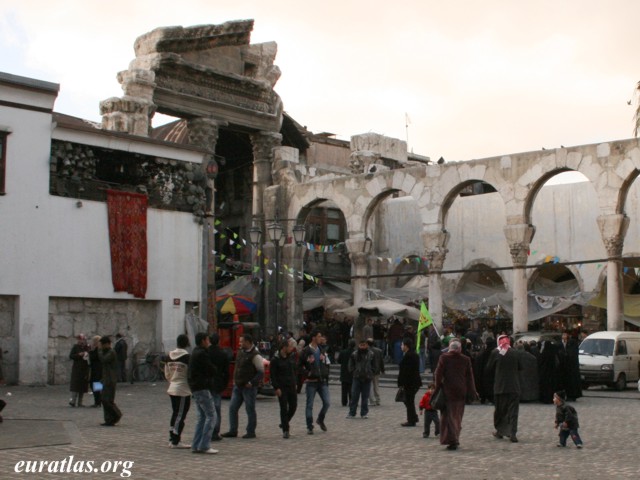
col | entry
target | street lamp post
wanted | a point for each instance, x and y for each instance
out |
(299, 232)
(275, 232)
(255, 237)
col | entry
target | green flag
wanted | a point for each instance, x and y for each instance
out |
(424, 322)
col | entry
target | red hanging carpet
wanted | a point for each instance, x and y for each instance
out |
(128, 239)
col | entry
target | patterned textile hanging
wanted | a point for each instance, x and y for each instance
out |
(127, 213)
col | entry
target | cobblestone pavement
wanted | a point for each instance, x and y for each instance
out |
(376, 448)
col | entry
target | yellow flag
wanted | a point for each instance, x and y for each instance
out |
(424, 322)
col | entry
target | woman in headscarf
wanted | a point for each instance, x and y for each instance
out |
(454, 374)
(548, 371)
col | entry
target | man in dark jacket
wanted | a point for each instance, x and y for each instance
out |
(112, 413)
(220, 380)
(247, 375)
(409, 379)
(506, 365)
(201, 372)
(314, 364)
(283, 380)
(361, 368)
(346, 379)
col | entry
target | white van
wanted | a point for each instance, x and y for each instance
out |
(610, 358)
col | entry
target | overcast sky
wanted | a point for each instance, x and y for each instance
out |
(476, 79)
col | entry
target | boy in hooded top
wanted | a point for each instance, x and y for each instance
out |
(176, 372)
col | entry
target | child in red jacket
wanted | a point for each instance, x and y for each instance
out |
(431, 415)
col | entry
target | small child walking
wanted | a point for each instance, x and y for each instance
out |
(567, 420)
(431, 414)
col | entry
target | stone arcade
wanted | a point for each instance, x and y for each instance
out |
(221, 89)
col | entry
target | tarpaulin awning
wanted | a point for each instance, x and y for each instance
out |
(327, 295)
(381, 308)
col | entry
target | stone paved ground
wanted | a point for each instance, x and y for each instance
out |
(377, 448)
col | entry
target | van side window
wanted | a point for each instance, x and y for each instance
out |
(622, 348)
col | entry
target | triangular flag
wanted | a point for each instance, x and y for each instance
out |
(424, 322)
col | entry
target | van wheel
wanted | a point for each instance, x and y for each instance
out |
(621, 383)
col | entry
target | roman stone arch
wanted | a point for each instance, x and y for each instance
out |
(411, 263)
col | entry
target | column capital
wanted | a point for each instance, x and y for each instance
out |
(519, 239)
(204, 132)
(263, 145)
(613, 229)
(435, 239)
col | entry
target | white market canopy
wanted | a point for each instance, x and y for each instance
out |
(381, 308)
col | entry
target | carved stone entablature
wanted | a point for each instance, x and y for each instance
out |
(201, 71)
(613, 229)
(192, 80)
(198, 38)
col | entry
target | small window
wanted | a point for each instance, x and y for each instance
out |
(3, 162)
(622, 348)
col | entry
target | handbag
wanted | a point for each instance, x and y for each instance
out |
(438, 399)
(400, 395)
(96, 387)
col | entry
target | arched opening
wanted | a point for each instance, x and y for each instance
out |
(564, 211)
(555, 299)
(394, 224)
(325, 265)
(630, 296)
(478, 301)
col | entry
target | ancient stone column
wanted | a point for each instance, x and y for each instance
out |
(519, 238)
(204, 132)
(359, 275)
(613, 229)
(435, 239)
(359, 270)
(263, 145)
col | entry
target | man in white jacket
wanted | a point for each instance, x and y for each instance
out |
(175, 370)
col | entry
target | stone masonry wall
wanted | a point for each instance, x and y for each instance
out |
(68, 317)
(8, 340)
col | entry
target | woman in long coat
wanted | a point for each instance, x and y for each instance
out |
(455, 375)
(79, 384)
(409, 379)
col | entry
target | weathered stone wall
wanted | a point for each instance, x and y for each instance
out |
(68, 317)
(8, 340)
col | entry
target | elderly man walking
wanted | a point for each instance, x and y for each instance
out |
(506, 365)
(454, 374)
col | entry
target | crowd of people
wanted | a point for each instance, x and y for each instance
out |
(467, 367)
